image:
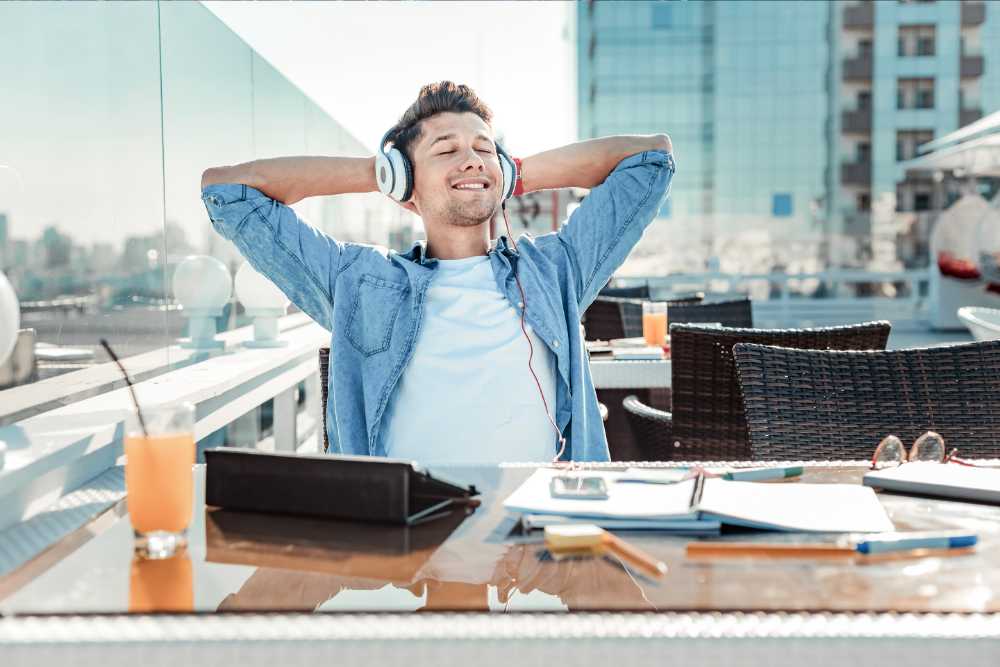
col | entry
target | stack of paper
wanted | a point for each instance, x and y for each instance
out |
(702, 505)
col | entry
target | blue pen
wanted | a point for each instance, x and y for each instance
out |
(909, 541)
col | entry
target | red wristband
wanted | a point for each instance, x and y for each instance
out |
(519, 184)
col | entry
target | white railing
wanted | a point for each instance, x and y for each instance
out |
(785, 299)
(19, 403)
(53, 453)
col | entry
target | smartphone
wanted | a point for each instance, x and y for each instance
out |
(579, 488)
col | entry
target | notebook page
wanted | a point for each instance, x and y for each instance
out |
(835, 508)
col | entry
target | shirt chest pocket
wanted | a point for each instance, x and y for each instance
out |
(373, 315)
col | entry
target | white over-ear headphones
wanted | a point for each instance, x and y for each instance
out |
(394, 172)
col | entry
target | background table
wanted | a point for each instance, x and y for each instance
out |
(638, 374)
(615, 379)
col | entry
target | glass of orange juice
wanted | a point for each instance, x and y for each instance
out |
(654, 322)
(159, 453)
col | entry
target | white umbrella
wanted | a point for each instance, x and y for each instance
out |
(979, 157)
(988, 123)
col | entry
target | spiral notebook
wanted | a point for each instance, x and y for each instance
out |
(834, 508)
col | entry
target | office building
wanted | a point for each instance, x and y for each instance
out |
(789, 120)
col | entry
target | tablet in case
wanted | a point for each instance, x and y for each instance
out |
(361, 488)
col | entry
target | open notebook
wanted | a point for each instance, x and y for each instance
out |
(934, 479)
(790, 507)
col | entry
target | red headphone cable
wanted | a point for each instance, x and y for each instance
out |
(531, 348)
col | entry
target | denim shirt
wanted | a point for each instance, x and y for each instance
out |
(372, 298)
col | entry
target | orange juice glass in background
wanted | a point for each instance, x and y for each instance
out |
(158, 483)
(654, 322)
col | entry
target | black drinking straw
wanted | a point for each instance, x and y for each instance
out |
(128, 381)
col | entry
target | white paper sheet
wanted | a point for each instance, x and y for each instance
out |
(834, 508)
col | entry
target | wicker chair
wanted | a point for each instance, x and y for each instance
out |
(637, 292)
(735, 313)
(609, 317)
(838, 405)
(324, 388)
(707, 420)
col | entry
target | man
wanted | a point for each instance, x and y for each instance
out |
(430, 352)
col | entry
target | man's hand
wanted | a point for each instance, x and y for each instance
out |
(291, 179)
(585, 164)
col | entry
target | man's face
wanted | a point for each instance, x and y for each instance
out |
(457, 177)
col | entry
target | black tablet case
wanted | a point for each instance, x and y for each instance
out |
(344, 487)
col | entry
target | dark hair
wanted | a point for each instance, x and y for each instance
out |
(435, 98)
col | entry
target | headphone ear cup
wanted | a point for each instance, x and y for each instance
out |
(509, 172)
(384, 175)
(402, 175)
(407, 177)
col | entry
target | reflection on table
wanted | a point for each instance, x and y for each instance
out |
(480, 561)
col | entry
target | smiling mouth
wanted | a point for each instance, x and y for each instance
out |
(471, 187)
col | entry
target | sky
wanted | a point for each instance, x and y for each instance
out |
(365, 62)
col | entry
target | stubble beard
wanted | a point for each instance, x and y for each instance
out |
(467, 214)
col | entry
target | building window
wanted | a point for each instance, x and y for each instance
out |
(864, 154)
(864, 48)
(915, 94)
(864, 100)
(921, 201)
(925, 98)
(907, 142)
(864, 202)
(663, 16)
(781, 205)
(915, 40)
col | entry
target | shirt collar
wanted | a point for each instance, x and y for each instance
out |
(418, 253)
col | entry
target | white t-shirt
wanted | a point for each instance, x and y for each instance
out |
(467, 395)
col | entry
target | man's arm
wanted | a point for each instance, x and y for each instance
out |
(629, 177)
(291, 179)
(249, 204)
(585, 164)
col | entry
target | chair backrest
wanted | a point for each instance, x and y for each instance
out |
(734, 313)
(807, 405)
(610, 317)
(324, 388)
(637, 292)
(709, 422)
(603, 319)
(651, 430)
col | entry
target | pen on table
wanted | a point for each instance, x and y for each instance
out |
(940, 543)
(904, 541)
(763, 474)
(683, 474)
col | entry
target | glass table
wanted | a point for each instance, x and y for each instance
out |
(270, 578)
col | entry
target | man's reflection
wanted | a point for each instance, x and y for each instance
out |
(161, 585)
(579, 584)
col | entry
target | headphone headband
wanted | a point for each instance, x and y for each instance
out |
(394, 171)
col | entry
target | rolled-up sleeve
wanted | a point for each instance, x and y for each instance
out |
(302, 261)
(601, 233)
